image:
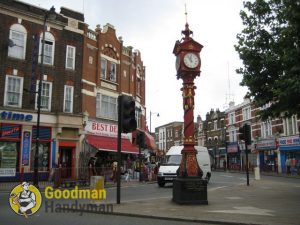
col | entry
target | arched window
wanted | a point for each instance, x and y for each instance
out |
(17, 41)
(49, 47)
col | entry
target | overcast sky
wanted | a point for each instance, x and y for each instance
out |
(153, 26)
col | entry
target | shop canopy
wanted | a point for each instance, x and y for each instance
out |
(111, 144)
(149, 139)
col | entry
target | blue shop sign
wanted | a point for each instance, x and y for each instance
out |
(291, 143)
(26, 148)
(4, 115)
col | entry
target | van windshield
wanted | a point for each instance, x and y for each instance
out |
(173, 160)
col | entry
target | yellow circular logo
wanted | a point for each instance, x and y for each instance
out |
(25, 199)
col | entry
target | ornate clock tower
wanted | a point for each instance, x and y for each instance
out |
(189, 187)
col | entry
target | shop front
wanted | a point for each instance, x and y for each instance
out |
(10, 150)
(233, 155)
(101, 138)
(221, 157)
(59, 144)
(267, 153)
(290, 154)
(17, 151)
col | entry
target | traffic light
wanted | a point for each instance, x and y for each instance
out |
(128, 122)
(140, 139)
(245, 134)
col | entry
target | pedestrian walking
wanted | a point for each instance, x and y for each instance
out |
(224, 165)
(114, 171)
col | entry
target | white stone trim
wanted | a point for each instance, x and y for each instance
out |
(88, 82)
(110, 59)
(89, 93)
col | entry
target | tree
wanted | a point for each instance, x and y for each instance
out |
(269, 46)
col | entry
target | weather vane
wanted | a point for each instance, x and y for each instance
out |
(185, 13)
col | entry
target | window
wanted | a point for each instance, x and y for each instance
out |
(70, 57)
(68, 99)
(46, 93)
(113, 72)
(246, 113)
(138, 86)
(49, 47)
(103, 68)
(9, 152)
(215, 125)
(106, 107)
(232, 135)
(290, 125)
(43, 156)
(18, 36)
(13, 91)
(231, 118)
(138, 117)
(266, 129)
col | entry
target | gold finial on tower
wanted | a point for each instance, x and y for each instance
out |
(187, 32)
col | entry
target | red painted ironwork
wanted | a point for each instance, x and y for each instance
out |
(189, 166)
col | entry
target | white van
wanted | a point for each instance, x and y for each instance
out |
(167, 170)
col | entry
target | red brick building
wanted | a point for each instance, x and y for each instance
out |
(83, 74)
(274, 141)
(20, 72)
(110, 69)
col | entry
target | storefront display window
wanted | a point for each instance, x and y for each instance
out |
(9, 154)
(43, 157)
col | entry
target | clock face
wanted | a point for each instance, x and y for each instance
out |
(191, 60)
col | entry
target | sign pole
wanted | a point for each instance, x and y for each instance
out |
(119, 150)
(247, 163)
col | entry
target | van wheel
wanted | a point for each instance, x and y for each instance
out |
(161, 184)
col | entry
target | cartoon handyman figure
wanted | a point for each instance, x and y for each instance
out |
(26, 200)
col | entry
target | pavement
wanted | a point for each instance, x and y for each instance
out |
(263, 202)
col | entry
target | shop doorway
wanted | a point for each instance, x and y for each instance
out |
(65, 161)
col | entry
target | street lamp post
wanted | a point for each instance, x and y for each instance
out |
(215, 152)
(151, 116)
(48, 14)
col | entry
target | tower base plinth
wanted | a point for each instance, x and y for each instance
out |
(190, 190)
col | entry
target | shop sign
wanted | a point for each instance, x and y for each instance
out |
(10, 130)
(232, 147)
(266, 144)
(291, 140)
(4, 115)
(7, 172)
(26, 148)
(102, 129)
